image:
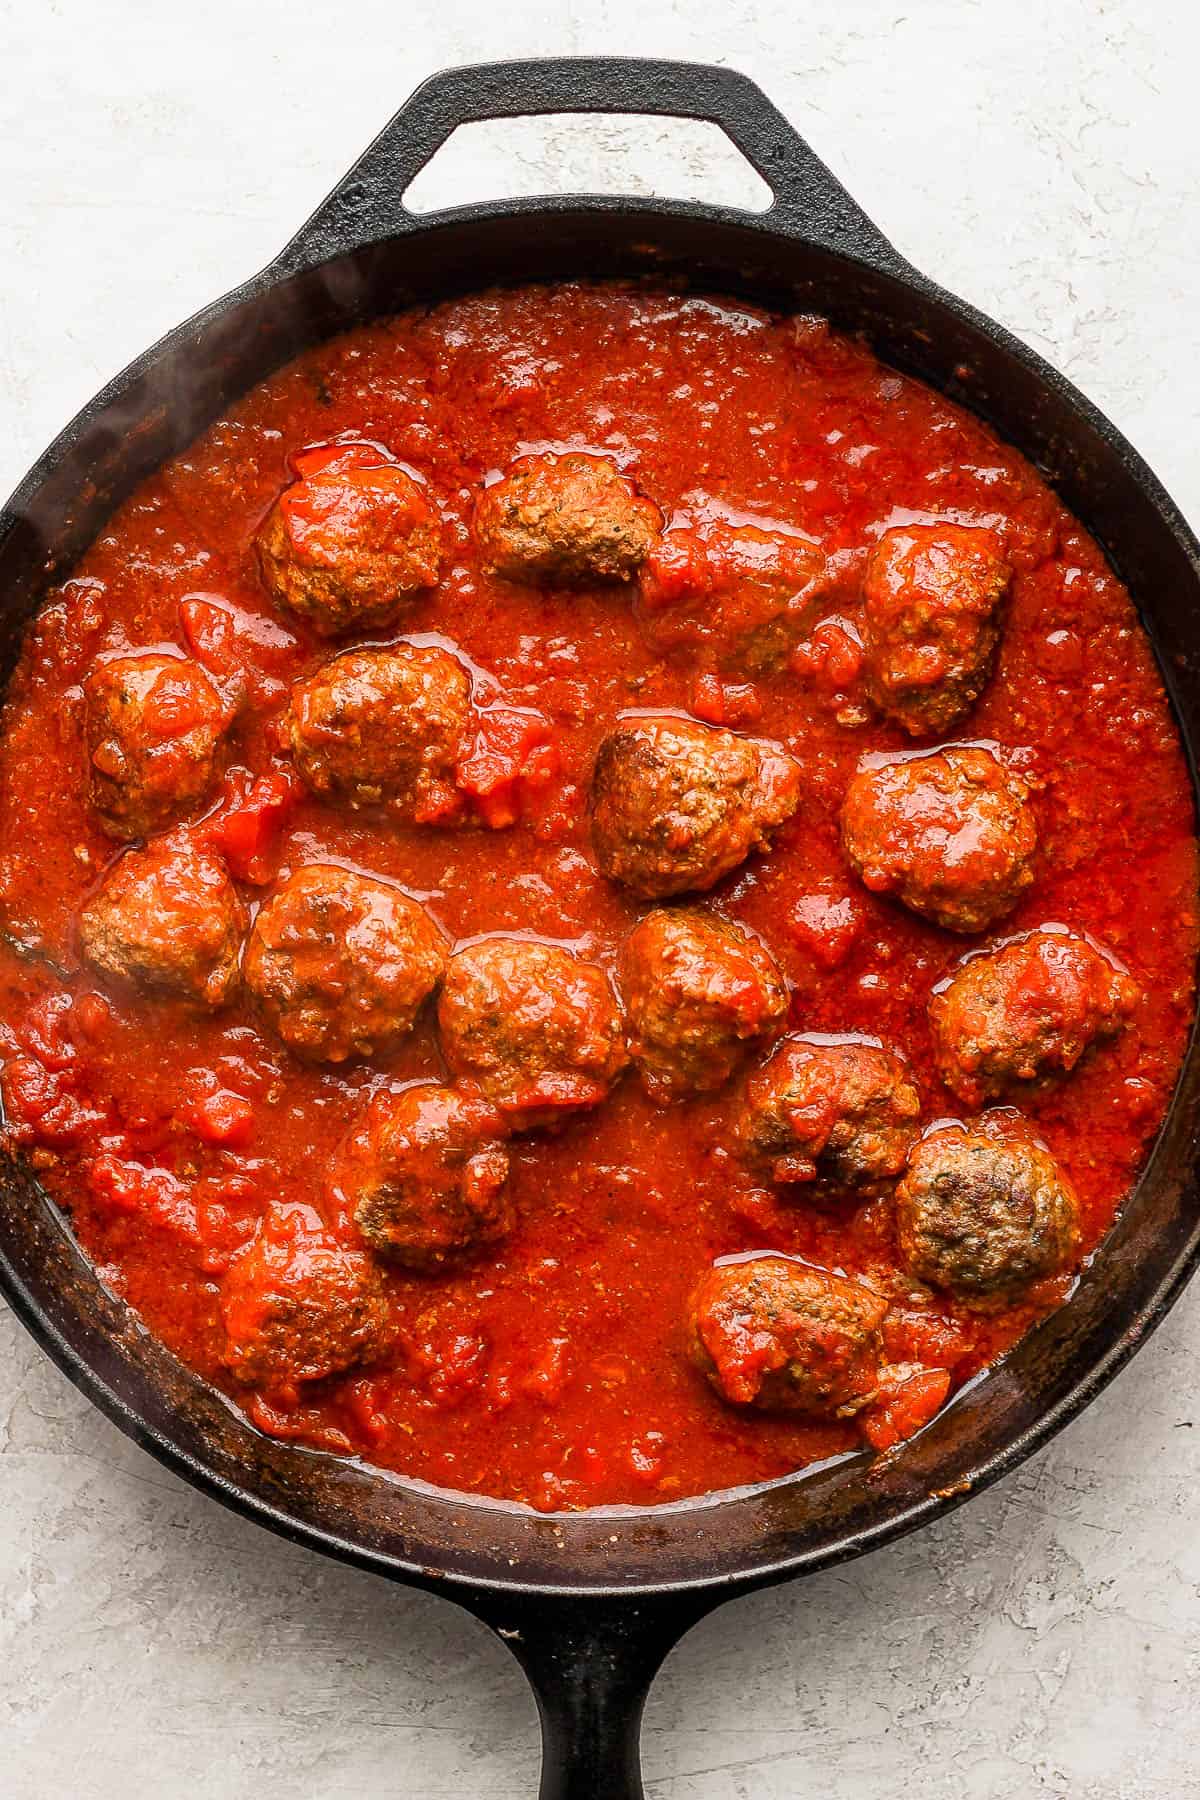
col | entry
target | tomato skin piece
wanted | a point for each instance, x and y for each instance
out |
(339, 459)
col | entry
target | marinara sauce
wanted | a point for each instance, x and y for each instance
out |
(553, 1369)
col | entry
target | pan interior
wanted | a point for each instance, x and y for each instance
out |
(156, 408)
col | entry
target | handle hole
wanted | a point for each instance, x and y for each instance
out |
(588, 153)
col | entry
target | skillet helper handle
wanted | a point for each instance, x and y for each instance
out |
(590, 1664)
(368, 203)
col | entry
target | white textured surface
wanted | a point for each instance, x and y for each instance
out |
(1046, 1639)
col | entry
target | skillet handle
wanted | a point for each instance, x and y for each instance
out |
(368, 203)
(590, 1664)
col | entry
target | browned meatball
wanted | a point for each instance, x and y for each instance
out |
(385, 727)
(532, 1027)
(775, 1333)
(1025, 1012)
(739, 594)
(298, 1307)
(677, 805)
(950, 834)
(349, 542)
(984, 1213)
(153, 726)
(167, 918)
(425, 1176)
(931, 598)
(698, 992)
(564, 521)
(842, 1113)
(340, 964)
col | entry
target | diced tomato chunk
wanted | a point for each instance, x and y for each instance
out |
(246, 832)
(29, 1089)
(154, 1194)
(921, 1337)
(827, 926)
(302, 1425)
(771, 1221)
(42, 1106)
(831, 658)
(708, 699)
(366, 1400)
(677, 570)
(720, 702)
(91, 1018)
(47, 1029)
(210, 631)
(457, 1366)
(909, 1396)
(548, 1376)
(238, 649)
(222, 1117)
(221, 1229)
(511, 756)
(119, 1184)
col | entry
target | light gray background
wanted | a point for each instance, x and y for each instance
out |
(1043, 1641)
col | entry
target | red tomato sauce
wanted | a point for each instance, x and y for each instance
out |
(553, 1370)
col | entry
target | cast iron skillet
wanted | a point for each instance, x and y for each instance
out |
(591, 1603)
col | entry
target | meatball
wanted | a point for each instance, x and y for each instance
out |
(532, 1027)
(564, 521)
(384, 726)
(698, 991)
(677, 805)
(349, 542)
(153, 725)
(296, 1306)
(340, 964)
(167, 919)
(950, 834)
(772, 1332)
(425, 1177)
(740, 593)
(844, 1114)
(931, 597)
(984, 1214)
(1025, 1012)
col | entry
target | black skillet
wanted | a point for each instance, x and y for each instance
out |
(591, 1603)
